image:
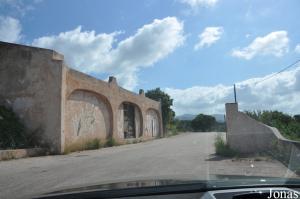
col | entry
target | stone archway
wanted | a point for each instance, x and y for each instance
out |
(87, 115)
(129, 121)
(152, 123)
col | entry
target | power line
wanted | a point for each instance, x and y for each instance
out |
(287, 67)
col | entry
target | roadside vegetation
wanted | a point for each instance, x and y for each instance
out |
(12, 131)
(288, 125)
(201, 123)
(90, 144)
(173, 126)
(223, 149)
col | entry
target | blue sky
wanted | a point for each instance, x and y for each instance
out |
(241, 40)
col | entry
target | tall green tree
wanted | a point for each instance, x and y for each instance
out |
(203, 123)
(166, 102)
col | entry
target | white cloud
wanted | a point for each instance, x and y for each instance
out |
(275, 43)
(16, 7)
(10, 29)
(199, 3)
(282, 92)
(90, 52)
(209, 36)
(297, 48)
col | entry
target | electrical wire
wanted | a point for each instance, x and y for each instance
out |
(282, 70)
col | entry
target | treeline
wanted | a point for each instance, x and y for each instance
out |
(288, 125)
(201, 123)
(172, 125)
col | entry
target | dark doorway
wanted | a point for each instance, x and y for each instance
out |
(129, 123)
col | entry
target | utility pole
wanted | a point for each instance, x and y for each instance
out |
(234, 93)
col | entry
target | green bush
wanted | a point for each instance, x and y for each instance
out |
(172, 130)
(222, 148)
(82, 145)
(111, 142)
(12, 131)
(289, 126)
(93, 144)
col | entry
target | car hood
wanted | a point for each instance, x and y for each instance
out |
(215, 182)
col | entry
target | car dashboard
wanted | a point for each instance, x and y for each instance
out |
(234, 193)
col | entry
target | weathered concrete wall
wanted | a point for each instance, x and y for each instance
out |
(152, 123)
(31, 83)
(21, 153)
(247, 135)
(138, 122)
(86, 116)
(63, 106)
(115, 96)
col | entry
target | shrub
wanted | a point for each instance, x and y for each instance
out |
(222, 148)
(288, 126)
(172, 130)
(93, 144)
(84, 145)
(12, 131)
(111, 142)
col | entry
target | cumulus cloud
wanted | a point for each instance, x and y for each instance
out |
(282, 92)
(199, 3)
(297, 48)
(90, 52)
(10, 29)
(275, 43)
(209, 36)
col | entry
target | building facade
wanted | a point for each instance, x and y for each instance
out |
(61, 106)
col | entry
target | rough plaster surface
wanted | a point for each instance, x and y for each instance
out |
(87, 116)
(152, 123)
(61, 105)
(30, 83)
(247, 135)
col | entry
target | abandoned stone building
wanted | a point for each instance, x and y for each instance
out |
(63, 105)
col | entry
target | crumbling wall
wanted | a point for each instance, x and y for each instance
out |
(31, 83)
(61, 105)
(117, 96)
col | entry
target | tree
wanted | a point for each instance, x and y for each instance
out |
(297, 118)
(289, 126)
(166, 102)
(203, 123)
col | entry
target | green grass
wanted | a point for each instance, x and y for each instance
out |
(111, 142)
(93, 144)
(82, 145)
(223, 149)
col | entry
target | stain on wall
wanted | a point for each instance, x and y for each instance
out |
(152, 123)
(88, 116)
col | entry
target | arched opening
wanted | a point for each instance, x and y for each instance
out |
(87, 115)
(152, 123)
(129, 121)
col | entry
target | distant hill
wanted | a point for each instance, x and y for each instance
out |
(219, 117)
